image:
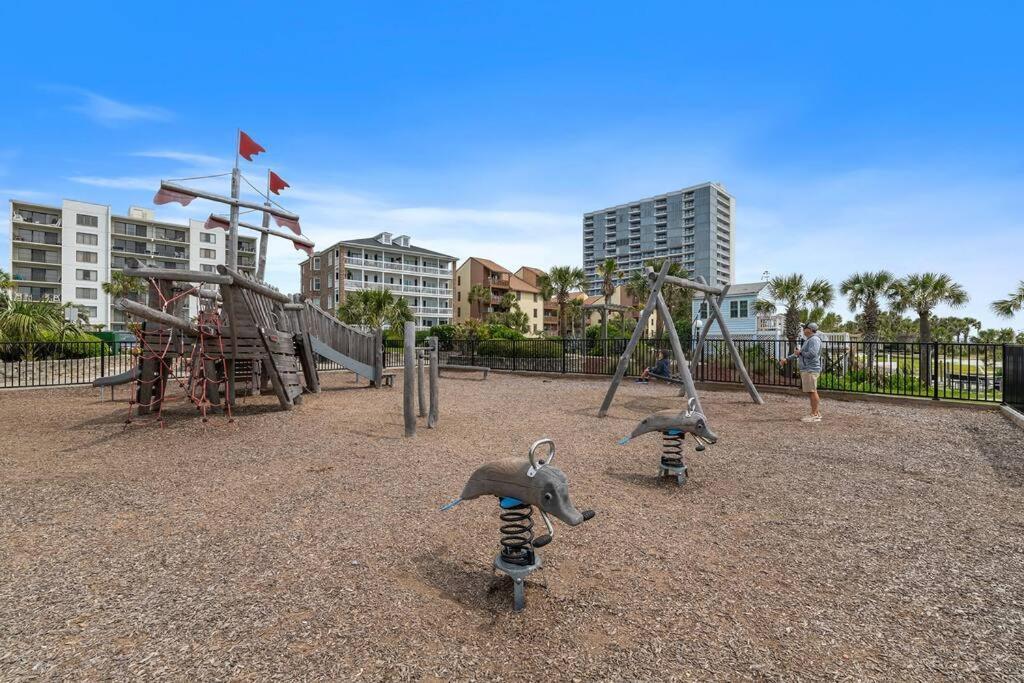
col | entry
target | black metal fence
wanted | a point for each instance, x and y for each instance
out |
(975, 372)
(939, 370)
(45, 364)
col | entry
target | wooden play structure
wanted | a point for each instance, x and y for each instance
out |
(412, 385)
(714, 297)
(246, 337)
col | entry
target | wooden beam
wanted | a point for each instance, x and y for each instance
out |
(707, 325)
(153, 315)
(176, 275)
(435, 362)
(700, 286)
(638, 331)
(421, 388)
(221, 199)
(240, 280)
(409, 379)
(736, 358)
(687, 389)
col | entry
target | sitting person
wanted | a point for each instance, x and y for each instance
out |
(662, 368)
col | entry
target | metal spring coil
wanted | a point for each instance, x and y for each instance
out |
(672, 449)
(517, 534)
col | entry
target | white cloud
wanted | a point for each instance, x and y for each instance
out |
(107, 111)
(119, 183)
(198, 160)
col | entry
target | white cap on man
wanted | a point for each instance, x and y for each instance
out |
(813, 327)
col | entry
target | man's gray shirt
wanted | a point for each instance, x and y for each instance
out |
(809, 355)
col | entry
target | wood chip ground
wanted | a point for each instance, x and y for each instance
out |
(885, 543)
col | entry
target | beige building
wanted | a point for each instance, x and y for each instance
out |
(500, 281)
(620, 297)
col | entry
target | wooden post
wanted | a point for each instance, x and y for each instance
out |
(713, 304)
(409, 379)
(604, 327)
(638, 331)
(435, 369)
(707, 324)
(421, 388)
(687, 389)
(378, 359)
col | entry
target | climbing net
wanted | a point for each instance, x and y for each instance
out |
(201, 375)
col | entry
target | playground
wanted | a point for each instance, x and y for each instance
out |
(885, 542)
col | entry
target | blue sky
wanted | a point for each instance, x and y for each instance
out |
(854, 136)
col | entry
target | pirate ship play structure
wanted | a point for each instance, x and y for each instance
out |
(246, 336)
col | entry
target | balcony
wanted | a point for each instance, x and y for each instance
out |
(36, 218)
(499, 280)
(431, 310)
(388, 266)
(357, 285)
(40, 237)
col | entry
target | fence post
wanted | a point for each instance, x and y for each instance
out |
(935, 366)
(563, 355)
(515, 352)
(1002, 385)
(103, 361)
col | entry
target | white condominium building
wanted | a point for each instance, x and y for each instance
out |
(65, 253)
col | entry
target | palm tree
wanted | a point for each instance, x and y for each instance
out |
(922, 292)
(575, 314)
(564, 281)
(123, 285)
(480, 294)
(374, 308)
(794, 292)
(609, 271)
(863, 291)
(6, 285)
(1012, 304)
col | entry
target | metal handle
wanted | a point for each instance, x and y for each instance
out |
(535, 465)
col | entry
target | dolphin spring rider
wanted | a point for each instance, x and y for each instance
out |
(674, 426)
(521, 485)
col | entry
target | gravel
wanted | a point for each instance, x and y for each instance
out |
(883, 543)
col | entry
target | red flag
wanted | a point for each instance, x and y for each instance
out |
(292, 225)
(277, 183)
(168, 196)
(247, 147)
(303, 247)
(217, 222)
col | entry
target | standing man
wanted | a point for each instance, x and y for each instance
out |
(808, 359)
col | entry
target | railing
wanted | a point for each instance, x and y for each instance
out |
(44, 364)
(357, 262)
(972, 372)
(989, 373)
(355, 285)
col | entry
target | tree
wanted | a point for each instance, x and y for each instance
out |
(480, 294)
(6, 285)
(609, 271)
(1011, 305)
(564, 281)
(375, 308)
(123, 285)
(863, 291)
(794, 292)
(574, 312)
(1004, 335)
(922, 292)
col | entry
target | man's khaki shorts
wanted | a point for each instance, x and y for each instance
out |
(809, 382)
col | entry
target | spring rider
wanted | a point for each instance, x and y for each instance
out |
(674, 426)
(521, 485)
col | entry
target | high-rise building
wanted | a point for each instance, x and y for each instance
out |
(65, 253)
(421, 276)
(692, 227)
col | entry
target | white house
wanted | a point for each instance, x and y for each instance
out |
(740, 314)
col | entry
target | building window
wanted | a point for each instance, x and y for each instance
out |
(207, 253)
(207, 268)
(85, 292)
(88, 275)
(316, 264)
(87, 239)
(89, 311)
(208, 237)
(316, 284)
(87, 221)
(458, 296)
(704, 311)
(535, 315)
(738, 309)
(458, 311)
(458, 281)
(86, 256)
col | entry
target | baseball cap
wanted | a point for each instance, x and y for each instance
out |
(813, 327)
